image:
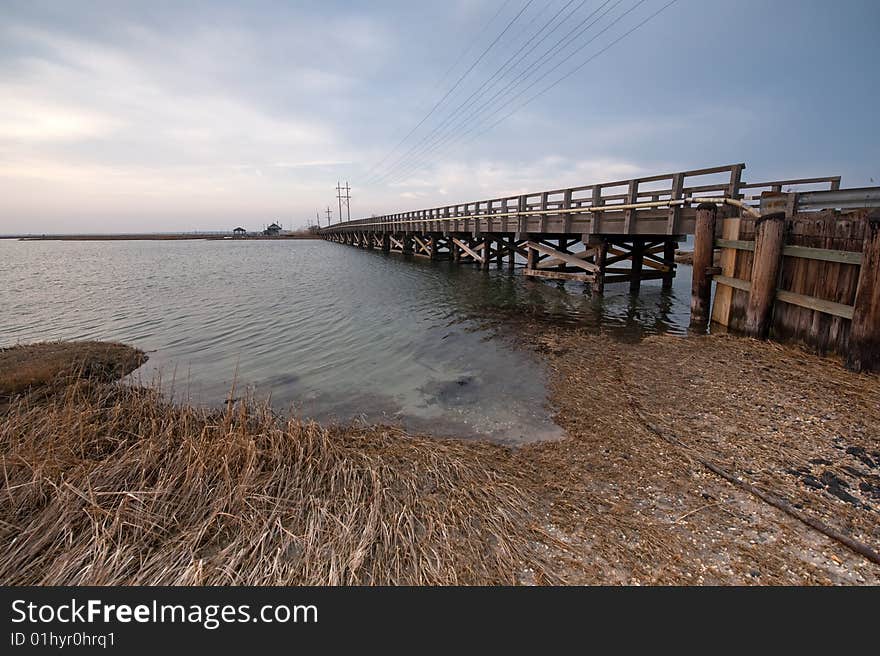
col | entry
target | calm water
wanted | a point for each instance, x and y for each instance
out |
(332, 331)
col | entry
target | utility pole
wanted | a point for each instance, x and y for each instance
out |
(328, 216)
(346, 198)
(318, 217)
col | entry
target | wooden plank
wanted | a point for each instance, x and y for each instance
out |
(806, 252)
(818, 304)
(555, 261)
(823, 254)
(565, 257)
(864, 347)
(467, 249)
(559, 275)
(422, 246)
(736, 283)
(723, 293)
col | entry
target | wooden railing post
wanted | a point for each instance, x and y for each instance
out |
(701, 282)
(769, 240)
(863, 353)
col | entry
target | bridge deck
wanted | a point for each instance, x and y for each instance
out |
(623, 231)
(597, 209)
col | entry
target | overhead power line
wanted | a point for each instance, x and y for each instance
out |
(488, 84)
(442, 79)
(581, 65)
(531, 70)
(463, 76)
(452, 139)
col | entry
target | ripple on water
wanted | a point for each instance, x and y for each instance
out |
(334, 332)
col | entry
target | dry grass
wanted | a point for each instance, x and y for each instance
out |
(109, 484)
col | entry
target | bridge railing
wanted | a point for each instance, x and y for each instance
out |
(719, 181)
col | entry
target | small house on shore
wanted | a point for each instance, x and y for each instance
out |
(239, 232)
(273, 230)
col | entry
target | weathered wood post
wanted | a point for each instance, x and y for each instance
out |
(598, 286)
(531, 259)
(499, 252)
(487, 252)
(386, 243)
(635, 278)
(701, 282)
(864, 336)
(511, 253)
(407, 243)
(669, 260)
(769, 240)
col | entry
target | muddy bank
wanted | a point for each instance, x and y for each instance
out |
(35, 368)
(147, 492)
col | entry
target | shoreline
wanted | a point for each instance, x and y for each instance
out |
(155, 237)
(615, 502)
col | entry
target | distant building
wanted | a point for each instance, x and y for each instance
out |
(273, 230)
(239, 232)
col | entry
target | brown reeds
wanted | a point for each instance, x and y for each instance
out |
(110, 484)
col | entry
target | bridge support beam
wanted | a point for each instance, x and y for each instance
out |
(669, 260)
(598, 286)
(635, 280)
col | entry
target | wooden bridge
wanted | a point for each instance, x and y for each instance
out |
(623, 231)
(800, 258)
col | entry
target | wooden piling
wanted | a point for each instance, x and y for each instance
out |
(511, 253)
(769, 240)
(863, 353)
(532, 259)
(635, 279)
(701, 282)
(598, 284)
(487, 252)
(669, 260)
(386, 243)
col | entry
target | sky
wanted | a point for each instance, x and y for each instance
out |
(179, 116)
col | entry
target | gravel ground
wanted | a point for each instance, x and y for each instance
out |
(634, 508)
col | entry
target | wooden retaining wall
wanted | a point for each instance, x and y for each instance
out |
(817, 282)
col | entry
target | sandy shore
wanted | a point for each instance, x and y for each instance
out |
(626, 499)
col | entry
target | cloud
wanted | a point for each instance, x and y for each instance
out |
(313, 163)
(24, 119)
